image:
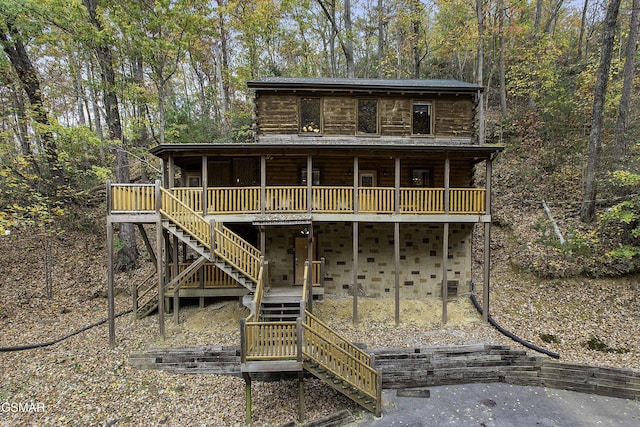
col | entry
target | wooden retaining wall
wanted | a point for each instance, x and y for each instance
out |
(429, 366)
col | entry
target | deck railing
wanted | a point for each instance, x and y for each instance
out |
(208, 277)
(134, 198)
(131, 197)
(223, 200)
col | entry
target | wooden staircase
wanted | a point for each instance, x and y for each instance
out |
(211, 240)
(272, 341)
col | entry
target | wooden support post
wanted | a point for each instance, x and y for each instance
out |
(110, 294)
(301, 397)
(263, 184)
(445, 259)
(172, 173)
(396, 256)
(356, 184)
(176, 272)
(487, 242)
(168, 253)
(109, 198)
(486, 271)
(447, 189)
(212, 230)
(309, 185)
(247, 394)
(205, 185)
(159, 270)
(201, 280)
(355, 272)
(397, 186)
(165, 173)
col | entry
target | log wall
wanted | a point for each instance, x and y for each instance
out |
(453, 116)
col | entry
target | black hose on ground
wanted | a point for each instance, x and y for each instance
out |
(56, 341)
(512, 336)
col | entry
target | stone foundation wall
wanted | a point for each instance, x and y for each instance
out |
(420, 258)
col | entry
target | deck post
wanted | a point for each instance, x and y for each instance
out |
(172, 173)
(247, 395)
(487, 243)
(355, 272)
(301, 397)
(396, 197)
(159, 270)
(263, 184)
(299, 341)
(109, 195)
(112, 325)
(205, 185)
(176, 271)
(396, 262)
(447, 189)
(445, 259)
(212, 229)
(309, 184)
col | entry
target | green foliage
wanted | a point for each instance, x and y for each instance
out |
(620, 225)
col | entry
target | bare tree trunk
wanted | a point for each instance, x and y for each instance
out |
(222, 59)
(348, 50)
(128, 255)
(502, 67)
(380, 40)
(583, 23)
(588, 210)
(415, 29)
(622, 121)
(16, 51)
(480, 72)
(538, 17)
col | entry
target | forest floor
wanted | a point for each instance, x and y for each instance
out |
(81, 381)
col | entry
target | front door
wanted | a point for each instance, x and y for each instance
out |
(301, 253)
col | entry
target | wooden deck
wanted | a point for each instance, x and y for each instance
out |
(143, 199)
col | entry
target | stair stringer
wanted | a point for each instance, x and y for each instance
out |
(202, 250)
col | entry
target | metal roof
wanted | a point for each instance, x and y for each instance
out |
(342, 84)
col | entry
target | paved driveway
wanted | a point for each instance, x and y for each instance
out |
(502, 405)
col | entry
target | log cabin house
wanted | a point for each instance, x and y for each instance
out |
(353, 187)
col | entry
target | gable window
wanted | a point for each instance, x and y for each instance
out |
(422, 115)
(367, 116)
(310, 115)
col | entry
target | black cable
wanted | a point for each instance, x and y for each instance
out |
(512, 336)
(56, 341)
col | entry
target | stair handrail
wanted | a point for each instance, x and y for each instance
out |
(338, 339)
(346, 362)
(257, 296)
(304, 300)
(237, 251)
(181, 214)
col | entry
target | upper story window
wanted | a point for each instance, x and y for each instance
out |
(421, 118)
(367, 116)
(310, 115)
